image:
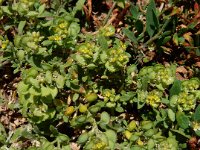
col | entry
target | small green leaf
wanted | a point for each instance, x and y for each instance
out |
(74, 29)
(176, 39)
(144, 83)
(105, 117)
(62, 138)
(32, 14)
(33, 91)
(197, 133)
(45, 91)
(103, 42)
(17, 134)
(47, 145)
(104, 57)
(110, 67)
(134, 11)
(166, 39)
(32, 45)
(6, 9)
(83, 138)
(78, 7)
(21, 27)
(75, 97)
(197, 113)
(48, 77)
(119, 109)
(80, 59)
(3, 135)
(112, 138)
(34, 82)
(183, 120)
(171, 115)
(22, 88)
(41, 9)
(176, 88)
(150, 144)
(46, 43)
(152, 22)
(111, 135)
(20, 54)
(130, 35)
(54, 91)
(60, 81)
(45, 14)
(53, 130)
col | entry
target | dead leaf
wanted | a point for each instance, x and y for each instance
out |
(181, 69)
(179, 77)
(188, 37)
(74, 146)
(197, 64)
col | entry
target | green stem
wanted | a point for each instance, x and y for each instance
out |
(155, 37)
(109, 13)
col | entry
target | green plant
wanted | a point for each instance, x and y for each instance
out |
(97, 85)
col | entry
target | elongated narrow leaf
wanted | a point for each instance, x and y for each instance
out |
(171, 115)
(197, 114)
(130, 35)
(21, 26)
(181, 133)
(152, 22)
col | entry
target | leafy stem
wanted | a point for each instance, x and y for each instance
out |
(156, 36)
(109, 13)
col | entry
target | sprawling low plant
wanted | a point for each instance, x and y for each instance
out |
(94, 89)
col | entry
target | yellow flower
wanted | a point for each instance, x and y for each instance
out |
(63, 25)
(69, 110)
(99, 146)
(196, 126)
(4, 44)
(153, 98)
(139, 142)
(57, 38)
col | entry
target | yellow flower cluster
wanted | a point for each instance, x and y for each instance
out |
(190, 85)
(158, 74)
(108, 30)
(117, 56)
(87, 49)
(153, 98)
(61, 31)
(186, 101)
(189, 95)
(196, 126)
(4, 44)
(99, 146)
(62, 28)
(55, 38)
(36, 37)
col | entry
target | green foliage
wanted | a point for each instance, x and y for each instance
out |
(98, 90)
(152, 19)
